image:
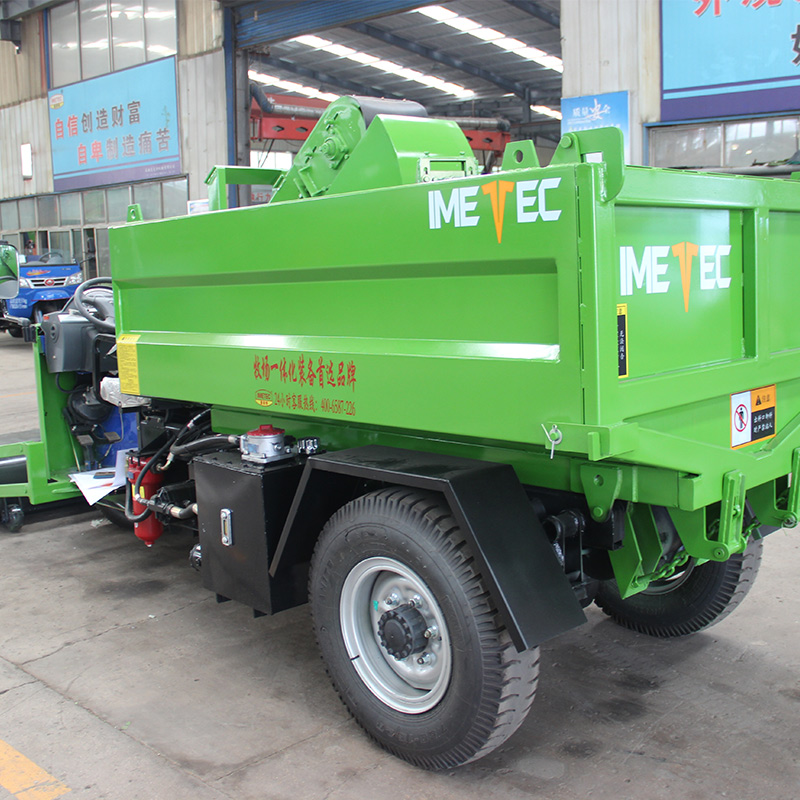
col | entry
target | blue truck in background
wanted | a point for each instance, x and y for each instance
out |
(46, 282)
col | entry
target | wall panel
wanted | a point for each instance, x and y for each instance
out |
(199, 27)
(21, 73)
(23, 123)
(614, 46)
(201, 97)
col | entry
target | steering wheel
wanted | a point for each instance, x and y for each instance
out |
(94, 300)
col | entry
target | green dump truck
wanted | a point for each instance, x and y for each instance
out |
(449, 409)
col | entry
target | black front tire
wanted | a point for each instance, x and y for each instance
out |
(694, 599)
(15, 332)
(484, 687)
(112, 507)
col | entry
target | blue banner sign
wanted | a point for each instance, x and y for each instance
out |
(609, 110)
(729, 57)
(117, 128)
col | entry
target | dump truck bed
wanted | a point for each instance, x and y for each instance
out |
(491, 309)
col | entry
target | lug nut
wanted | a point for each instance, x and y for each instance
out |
(424, 660)
(431, 633)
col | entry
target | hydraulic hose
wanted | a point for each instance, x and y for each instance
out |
(192, 426)
(206, 443)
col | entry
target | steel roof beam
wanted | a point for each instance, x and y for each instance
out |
(260, 22)
(322, 77)
(537, 10)
(519, 89)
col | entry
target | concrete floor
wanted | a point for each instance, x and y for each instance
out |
(122, 678)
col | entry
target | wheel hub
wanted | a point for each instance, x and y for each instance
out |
(401, 631)
(387, 613)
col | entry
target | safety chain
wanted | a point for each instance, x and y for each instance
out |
(668, 570)
(752, 530)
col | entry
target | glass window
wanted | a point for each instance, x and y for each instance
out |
(12, 238)
(748, 143)
(65, 60)
(77, 245)
(61, 241)
(94, 38)
(102, 251)
(743, 143)
(94, 206)
(148, 196)
(687, 146)
(70, 209)
(176, 193)
(160, 28)
(27, 213)
(118, 201)
(48, 211)
(127, 33)
(10, 216)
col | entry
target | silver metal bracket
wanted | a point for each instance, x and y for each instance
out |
(226, 526)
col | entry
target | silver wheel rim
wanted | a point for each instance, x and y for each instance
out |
(667, 585)
(411, 685)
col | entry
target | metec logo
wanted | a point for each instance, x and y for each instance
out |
(460, 208)
(649, 272)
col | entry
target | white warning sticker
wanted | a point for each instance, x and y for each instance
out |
(752, 416)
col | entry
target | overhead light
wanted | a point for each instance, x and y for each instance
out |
(547, 111)
(291, 86)
(384, 65)
(438, 13)
(487, 34)
(463, 24)
(312, 41)
(507, 43)
(501, 40)
(339, 50)
(363, 58)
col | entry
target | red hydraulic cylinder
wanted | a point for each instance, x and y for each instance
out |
(149, 529)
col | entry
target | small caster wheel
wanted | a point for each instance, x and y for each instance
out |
(12, 516)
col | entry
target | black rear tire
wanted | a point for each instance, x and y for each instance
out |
(15, 332)
(694, 599)
(391, 540)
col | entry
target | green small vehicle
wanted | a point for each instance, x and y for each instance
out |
(448, 409)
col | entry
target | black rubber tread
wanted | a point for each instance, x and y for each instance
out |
(502, 697)
(112, 507)
(706, 597)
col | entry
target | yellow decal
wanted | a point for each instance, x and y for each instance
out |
(264, 399)
(753, 415)
(685, 251)
(128, 363)
(497, 192)
(622, 339)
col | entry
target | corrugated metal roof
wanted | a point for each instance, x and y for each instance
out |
(322, 69)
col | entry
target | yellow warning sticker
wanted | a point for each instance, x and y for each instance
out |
(753, 416)
(128, 363)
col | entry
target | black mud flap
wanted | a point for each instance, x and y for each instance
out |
(533, 596)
